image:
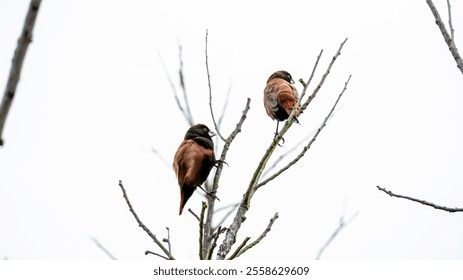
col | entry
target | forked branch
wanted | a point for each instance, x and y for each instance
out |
(424, 202)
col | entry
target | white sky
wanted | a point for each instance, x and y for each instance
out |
(93, 100)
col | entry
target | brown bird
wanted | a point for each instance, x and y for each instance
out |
(280, 97)
(193, 161)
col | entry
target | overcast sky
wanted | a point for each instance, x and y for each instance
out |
(94, 100)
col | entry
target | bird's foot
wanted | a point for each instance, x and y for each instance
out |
(282, 140)
(211, 194)
(220, 161)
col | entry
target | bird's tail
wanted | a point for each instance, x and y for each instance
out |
(185, 193)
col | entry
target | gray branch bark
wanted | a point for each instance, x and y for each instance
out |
(447, 37)
(23, 42)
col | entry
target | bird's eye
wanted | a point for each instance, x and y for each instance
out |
(289, 77)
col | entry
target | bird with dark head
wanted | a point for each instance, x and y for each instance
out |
(280, 97)
(193, 161)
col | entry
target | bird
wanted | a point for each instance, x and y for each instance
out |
(193, 161)
(280, 97)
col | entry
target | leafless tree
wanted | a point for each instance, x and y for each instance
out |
(210, 236)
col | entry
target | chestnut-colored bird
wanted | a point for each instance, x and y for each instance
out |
(193, 161)
(280, 97)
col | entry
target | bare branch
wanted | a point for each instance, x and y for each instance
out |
(234, 254)
(255, 242)
(194, 214)
(167, 240)
(185, 110)
(211, 202)
(240, 217)
(23, 42)
(452, 31)
(182, 84)
(341, 225)
(307, 147)
(210, 93)
(156, 254)
(103, 248)
(448, 209)
(448, 39)
(215, 236)
(140, 223)
(202, 251)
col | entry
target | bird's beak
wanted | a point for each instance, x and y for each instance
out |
(292, 81)
(212, 134)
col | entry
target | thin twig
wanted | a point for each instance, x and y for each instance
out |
(188, 117)
(448, 39)
(140, 224)
(194, 214)
(156, 254)
(255, 242)
(182, 84)
(201, 231)
(449, 8)
(309, 144)
(215, 236)
(23, 42)
(167, 240)
(210, 93)
(341, 225)
(444, 208)
(103, 248)
(234, 254)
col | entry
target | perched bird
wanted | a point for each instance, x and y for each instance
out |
(193, 161)
(280, 97)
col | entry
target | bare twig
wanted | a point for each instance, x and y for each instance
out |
(444, 208)
(23, 42)
(240, 217)
(341, 225)
(140, 223)
(185, 110)
(210, 93)
(194, 214)
(448, 38)
(182, 84)
(211, 202)
(156, 254)
(452, 31)
(103, 248)
(307, 147)
(215, 236)
(234, 254)
(255, 242)
(201, 231)
(167, 240)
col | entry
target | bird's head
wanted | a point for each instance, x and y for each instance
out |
(282, 74)
(199, 130)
